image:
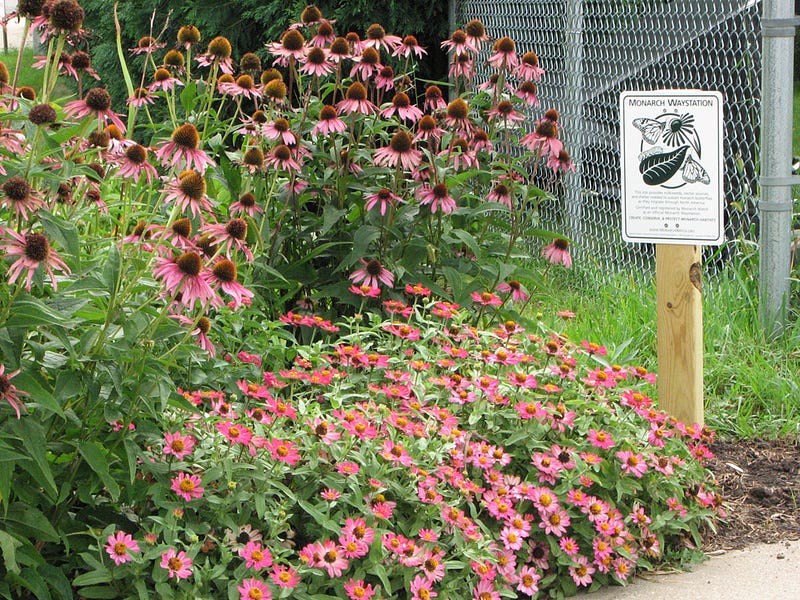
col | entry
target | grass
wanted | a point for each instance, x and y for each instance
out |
(752, 384)
(31, 77)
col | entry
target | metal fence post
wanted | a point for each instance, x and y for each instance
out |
(775, 206)
(573, 117)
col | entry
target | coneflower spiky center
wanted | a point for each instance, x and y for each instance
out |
(220, 47)
(401, 142)
(293, 40)
(37, 248)
(458, 37)
(190, 263)
(316, 56)
(282, 152)
(401, 100)
(245, 82)
(204, 324)
(505, 45)
(458, 109)
(247, 200)
(475, 28)
(136, 154)
(237, 228)
(374, 267)
(340, 47)
(356, 91)
(16, 188)
(192, 184)
(327, 113)
(376, 32)
(253, 157)
(182, 227)
(225, 270)
(186, 136)
(98, 99)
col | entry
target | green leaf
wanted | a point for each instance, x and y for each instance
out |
(100, 575)
(57, 581)
(93, 453)
(33, 521)
(64, 232)
(38, 395)
(32, 436)
(9, 545)
(330, 216)
(189, 96)
(111, 269)
(100, 591)
(28, 312)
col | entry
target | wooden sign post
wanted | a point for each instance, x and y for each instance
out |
(672, 196)
(679, 316)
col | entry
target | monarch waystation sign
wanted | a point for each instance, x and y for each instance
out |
(672, 167)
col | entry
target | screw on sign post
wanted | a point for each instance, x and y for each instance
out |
(672, 196)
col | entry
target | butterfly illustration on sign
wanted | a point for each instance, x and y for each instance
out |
(659, 165)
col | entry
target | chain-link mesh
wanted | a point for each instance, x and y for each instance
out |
(594, 49)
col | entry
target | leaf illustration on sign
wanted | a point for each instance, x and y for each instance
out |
(693, 172)
(659, 168)
(650, 128)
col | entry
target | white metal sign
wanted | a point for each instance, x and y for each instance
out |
(672, 167)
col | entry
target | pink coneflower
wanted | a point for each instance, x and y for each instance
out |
(400, 150)
(255, 556)
(373, 273)
(505, 56)
(177, 564)
(185, 276)
(223, 275)
(366, 65)
(324, 36)
(476, 33)
(141, 97)
(459, 155)
(279, 129)
(292, 45)
(188, 189)
(438, 197)
(135, 164)
(557, 252)
(119, 545)
(243, 85)
(183, 149)
(33, 250)
(284, 451)
(253, 589)
(528, 91)
(97, 102)
(356, 101)
(377, 38)
(384, 79)
(402, 107)
(282, 157)
(233, 235)
(434, 99)
(543, 140)
(409, 46)
(528, 67)
(505, 112)
(146, 45)
(383, 197)
(457, 116)
(187, 486)
(458, 44)
(246, 204)
(218, 52)
(561, 162)
(20, 196)
(163, 81)
(518, 293)
(9, 392)
(339, 50)
(428, 129)
(284, 576)
(463, 65)
(317, 63)
(177, 445)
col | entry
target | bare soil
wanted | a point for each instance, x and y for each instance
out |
(760, 485)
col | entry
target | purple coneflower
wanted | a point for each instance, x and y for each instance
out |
(476, 33)
(185, 279)
(135, 164)
(20, 196)
(8, 391)
(500, 193)
(163, 81)
(408, 46)
(141, 96)
(219, 51)
(557, 252)
(402, 107)
(232, 234)
(316, 62)
(339, 50)
(428, 129)
(32, 250)
(518, 293)
(146, 45)
(543, 139)
(458, 44)
(329, 122)
(378, 38)
(527, 90)
(528, 67)
(383, 197)
(457, 115)
(324, 36)
(241, 86)
(292, 45)
(505, 55)
(182, 150)
(460, 155)
(400, 149)
(372, 274)
(279, 129)
(367, 64)
(561, 162)
(434, 99)
(463, 65)
(505, 112)
(355, 101)
(246, 204)
(189, 190)
(96, 102)
(282, 157)
(223, 275)
(438, 196)
(179, 234)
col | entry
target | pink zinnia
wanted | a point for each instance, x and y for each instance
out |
(332, 559)
(118, 546)
(255, 556)
(284, 451)
(32, 250)
(600, 439)
(187, 486)
(356, 590)
(178, 565)
(178, 445)
(253, 589)
(284, 576)
(422, 588)
(557, 252)
(528, 580)
(373, 273)
(486, 299)
(632, 463)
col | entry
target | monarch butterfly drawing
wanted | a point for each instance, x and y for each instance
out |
(651, 129)
(693, 172)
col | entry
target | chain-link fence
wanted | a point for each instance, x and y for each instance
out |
(594, 49)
